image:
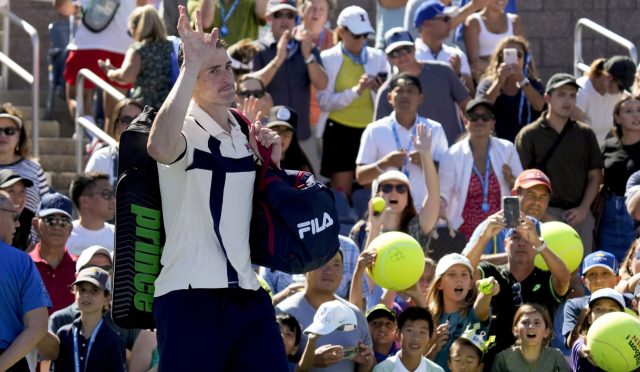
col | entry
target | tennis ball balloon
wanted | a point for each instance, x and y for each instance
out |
(564, 241)
(614, 342)
(378, 204)
(399, 261)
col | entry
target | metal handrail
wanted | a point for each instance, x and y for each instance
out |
(82, 122)
(32, 78)
(578, 62)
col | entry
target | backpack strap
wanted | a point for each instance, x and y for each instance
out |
(542, 165)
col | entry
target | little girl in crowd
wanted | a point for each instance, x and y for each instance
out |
(455, 304)
(532, 329)
(602, 301)
(467, 352)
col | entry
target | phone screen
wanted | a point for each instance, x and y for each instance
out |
(511, 210)
(510, 56)
(350, 352)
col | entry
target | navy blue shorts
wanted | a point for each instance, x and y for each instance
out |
(229, 329)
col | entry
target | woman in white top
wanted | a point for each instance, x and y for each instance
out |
(105, 160)
(477, 171)
(484, 30)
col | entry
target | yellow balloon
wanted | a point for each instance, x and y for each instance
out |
(399, 261)
(614, 342)
(564, 241)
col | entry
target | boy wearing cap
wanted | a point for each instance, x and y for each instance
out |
(288, 67)
(386, 143)
(382, 326)
(16, 186)
(434, 27)
(533, 189)
(438, 82)
(415, 329)
(550, 144)
(88, 344)
(238, 18)
(599, 270)
(55, 264)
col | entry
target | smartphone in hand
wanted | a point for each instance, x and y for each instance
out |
(511, 211)
(350, 352)
(510, 56)
(382, 77)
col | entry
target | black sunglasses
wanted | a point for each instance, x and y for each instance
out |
(400, 51)
(59, 221)
(9, 131)
(251, 93)
(16, 216)
(484, 117)
(361, 36)
(445, 19)
(516, 289)
(387, 188)
(278, 15)
(105, 194)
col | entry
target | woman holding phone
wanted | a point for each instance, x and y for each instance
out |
(513, 87)
(347, 102)
(477, 171)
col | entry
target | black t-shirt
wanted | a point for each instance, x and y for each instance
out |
(536, 288)
(620, 162)
(512, 112)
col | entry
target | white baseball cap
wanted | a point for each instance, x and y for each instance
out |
(88, 254)
(356, 20)
(449, 260)
(608, 293)
(331, 316)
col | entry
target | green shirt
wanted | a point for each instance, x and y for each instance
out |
(243, 23)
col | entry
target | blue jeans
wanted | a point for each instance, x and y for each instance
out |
(616, 230)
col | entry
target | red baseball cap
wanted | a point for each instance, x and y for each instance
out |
(532, 177)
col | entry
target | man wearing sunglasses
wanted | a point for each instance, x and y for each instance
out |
(434, 26)
(288, 66)
(446, 94)
(93, 196)
(56, 266)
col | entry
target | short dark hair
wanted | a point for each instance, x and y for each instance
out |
(290, 322)
(82, 182)
(221, 43)
(395, 81)
(416, 313)
(466, 342)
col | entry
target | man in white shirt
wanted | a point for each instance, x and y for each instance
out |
(434, 26)
(93, 196)
(208, 305)
(388, 142)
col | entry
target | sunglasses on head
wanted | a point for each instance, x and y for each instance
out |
(15, 216)
(105, 194)
(125, 120)
(251, 93)
(361, 36)
(387, 188)
(57, 221)
(484, 117)
(289, 15)
(9, 131)
(400, 51)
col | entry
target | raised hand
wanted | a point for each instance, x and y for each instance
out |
(199, 47)
(422, 139)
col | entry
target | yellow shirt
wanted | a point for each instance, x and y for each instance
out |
(359, 113)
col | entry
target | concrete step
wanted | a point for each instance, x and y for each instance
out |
(60, 181)
(21, 97)
(48, 128)
(57, 163)
(57, 146)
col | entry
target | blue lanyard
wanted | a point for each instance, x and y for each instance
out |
(484, 183)
(359, 60)
(523, 98)
(224, 16)
(76, 357)
(396, 136)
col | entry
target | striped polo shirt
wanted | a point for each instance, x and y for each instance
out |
(207, 204)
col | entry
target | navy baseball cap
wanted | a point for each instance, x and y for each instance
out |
(427, 11)
(600, 259)
(55, 203)
(396, 37)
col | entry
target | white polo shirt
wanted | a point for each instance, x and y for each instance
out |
(207, 204)
(423, 54)
(378, 140)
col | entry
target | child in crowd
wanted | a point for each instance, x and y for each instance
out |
(467, 352)
(290, 331)
(382, 327)
(455, 303)
(88, 344)
(532, 330)
(415, 328)
(602, 301)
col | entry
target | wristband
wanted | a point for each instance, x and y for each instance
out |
(523, 83)
(542, 247)
(311, 59)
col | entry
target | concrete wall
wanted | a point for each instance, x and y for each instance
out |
(549, 26)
